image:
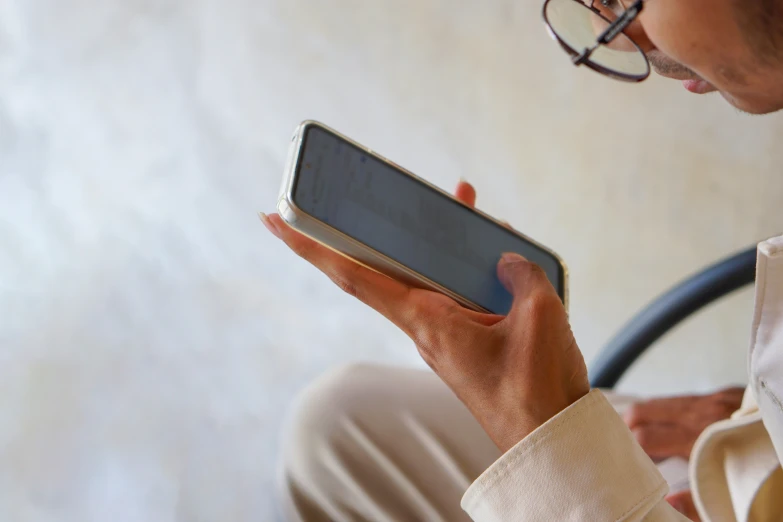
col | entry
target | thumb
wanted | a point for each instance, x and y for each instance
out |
(683, 502)
(519, 275)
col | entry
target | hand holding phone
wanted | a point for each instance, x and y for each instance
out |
(513, 372)
(370, 209)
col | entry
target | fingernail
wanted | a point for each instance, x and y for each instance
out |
(270, 225)
(462, 180)
(511, 257)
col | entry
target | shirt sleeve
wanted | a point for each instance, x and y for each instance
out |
(583, 464)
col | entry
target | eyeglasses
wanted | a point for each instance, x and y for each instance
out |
(594, 36)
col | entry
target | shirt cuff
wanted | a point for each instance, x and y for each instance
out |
(583, 464)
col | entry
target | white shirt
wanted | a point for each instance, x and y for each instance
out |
(585, 465)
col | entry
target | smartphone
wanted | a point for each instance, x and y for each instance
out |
(354, 201)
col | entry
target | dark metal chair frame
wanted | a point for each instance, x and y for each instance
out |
(668, 311)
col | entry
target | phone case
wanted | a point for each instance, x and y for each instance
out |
(357, 251)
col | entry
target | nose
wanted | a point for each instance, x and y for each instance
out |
(637, 33)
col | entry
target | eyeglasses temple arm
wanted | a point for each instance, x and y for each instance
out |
(619, 25)
(611, 32)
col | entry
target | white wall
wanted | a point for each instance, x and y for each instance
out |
(152, 331)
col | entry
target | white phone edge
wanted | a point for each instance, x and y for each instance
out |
(359, 252)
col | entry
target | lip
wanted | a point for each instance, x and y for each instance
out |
(698, 86)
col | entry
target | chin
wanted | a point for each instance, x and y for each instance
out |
(752, 106)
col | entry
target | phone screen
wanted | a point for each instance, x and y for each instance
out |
(410, 222)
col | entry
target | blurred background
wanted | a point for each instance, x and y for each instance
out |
(152, 333)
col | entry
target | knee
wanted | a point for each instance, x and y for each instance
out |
(313, 436)
(316, 419)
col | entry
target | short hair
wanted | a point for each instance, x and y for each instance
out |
(762, 25)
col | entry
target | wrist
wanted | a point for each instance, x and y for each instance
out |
(509, 426)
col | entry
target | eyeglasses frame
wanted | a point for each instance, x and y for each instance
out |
(613, 30)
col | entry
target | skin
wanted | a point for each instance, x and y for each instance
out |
(703, 40)
(683, 502)
(497, 366)
(514, 373)
(669, 427)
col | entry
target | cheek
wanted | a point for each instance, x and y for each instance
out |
(695, 35)
(662, 33)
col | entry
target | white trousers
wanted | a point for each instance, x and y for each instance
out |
(386, 444)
